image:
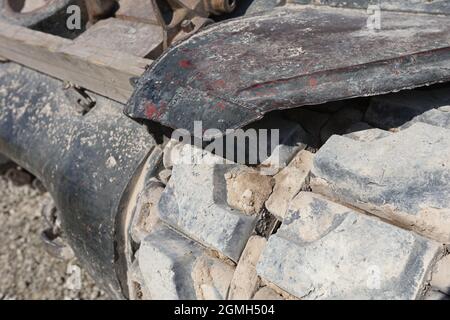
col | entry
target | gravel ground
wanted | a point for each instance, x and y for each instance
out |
(26, 270)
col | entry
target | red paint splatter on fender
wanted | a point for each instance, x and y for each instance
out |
(220, 106)
(151, 110)
(185, 64)
(313, 82)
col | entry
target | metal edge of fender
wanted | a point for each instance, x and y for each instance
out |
(87, 162)
(421, 6)
(234, 72)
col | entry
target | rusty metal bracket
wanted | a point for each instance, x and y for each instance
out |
(182, 18)
(179, 19)
(51, 236)
(80, 97)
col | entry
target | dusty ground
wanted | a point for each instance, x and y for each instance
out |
(26, 270)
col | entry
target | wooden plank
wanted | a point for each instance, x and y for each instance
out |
(103, 71)
(135, 38)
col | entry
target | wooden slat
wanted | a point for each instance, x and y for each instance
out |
(135, 38)
(103, 71)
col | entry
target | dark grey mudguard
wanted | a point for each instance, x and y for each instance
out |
(234, 72)
(422, 6)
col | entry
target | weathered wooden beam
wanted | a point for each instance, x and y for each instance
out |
(103, 71)
(135, 38)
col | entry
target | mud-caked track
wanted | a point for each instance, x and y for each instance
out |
(357, 207)
(361, 210)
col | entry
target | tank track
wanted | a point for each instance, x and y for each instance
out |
(360, 210)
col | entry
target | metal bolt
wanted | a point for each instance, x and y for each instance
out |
(222, 6)
(187, 26)
(67, 85)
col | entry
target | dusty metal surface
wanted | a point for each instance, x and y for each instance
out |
(234, 72)
(429, 6)
(87, 162)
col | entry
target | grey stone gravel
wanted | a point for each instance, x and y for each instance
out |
(27, 271)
